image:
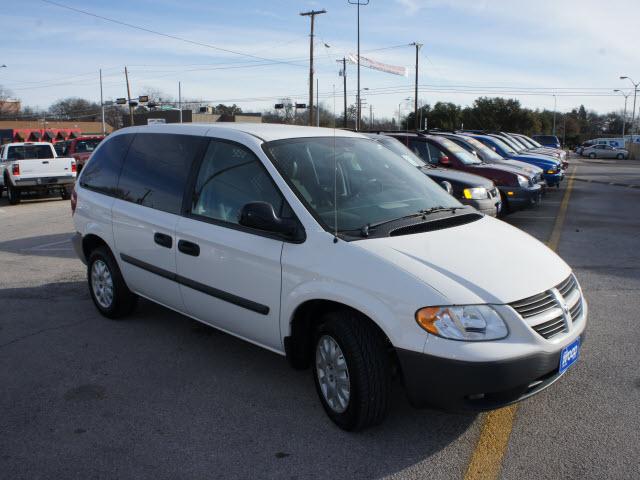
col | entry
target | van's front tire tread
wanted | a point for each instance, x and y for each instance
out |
(365, 350)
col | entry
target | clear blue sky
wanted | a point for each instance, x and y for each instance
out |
(499, 47)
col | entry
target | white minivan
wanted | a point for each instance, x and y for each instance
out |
(326, 247)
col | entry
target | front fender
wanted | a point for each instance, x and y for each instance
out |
(396, 321)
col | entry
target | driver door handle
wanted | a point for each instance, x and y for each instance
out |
(189, 248)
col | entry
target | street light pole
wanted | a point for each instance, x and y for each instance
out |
(344, 80)
(312, 15)
(624, 115)
(104, 130)
(358, 3)
(633, 114)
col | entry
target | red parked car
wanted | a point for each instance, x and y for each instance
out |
(81, 148)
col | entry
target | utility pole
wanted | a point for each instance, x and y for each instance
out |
(180, 99)
(344, 82)
(104, 130)
(370, 117)
(312, 15)
(358, 113)
(126, 76)
(317, 103)
(415, 100)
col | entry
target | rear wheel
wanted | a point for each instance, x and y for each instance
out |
(592, 155)
(65, 194)
(351, 370)
(620, 156)
(13, 193)
(109, 292)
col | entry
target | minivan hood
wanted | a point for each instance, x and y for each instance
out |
(485, 261)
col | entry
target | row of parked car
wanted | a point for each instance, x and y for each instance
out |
(494, 172)
(602, 149)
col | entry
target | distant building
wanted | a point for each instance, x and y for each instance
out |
(45, 131)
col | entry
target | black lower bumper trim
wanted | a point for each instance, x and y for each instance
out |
(456, 385)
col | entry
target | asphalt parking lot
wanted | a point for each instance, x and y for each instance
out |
(161, 396)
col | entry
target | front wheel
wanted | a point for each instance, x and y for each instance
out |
(620, 156)
(109, 292)
(592, 155)
(351, 370)
(13, 194)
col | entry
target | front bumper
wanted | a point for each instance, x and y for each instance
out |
(519, 197)
(553, 179)
(488, 206)
(457, 385)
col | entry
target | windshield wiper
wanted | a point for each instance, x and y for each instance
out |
(364, 230)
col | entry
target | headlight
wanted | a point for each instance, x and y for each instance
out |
(472, 323)
(523, 181)
(477, 193)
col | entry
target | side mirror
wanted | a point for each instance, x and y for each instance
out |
(262, 216)
(444, 161)
(447, 186)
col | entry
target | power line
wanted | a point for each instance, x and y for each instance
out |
(166, 35)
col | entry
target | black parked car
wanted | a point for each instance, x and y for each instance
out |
(467, 188)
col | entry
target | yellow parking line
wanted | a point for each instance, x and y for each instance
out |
(486, 459)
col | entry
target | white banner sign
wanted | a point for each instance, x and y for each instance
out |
(375, 65)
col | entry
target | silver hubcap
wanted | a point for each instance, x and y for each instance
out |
(102, 283)
(333, 374)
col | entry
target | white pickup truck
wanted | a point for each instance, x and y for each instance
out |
(35, 167)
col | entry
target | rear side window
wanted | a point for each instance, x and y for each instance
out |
(103, 168)
(156, 170)
(230, 177)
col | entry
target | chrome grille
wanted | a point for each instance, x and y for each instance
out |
(552, 328)
(544, 312)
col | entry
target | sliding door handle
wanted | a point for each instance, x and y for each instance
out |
(163, 239)
(189, 248)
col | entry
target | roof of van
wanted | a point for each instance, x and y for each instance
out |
(264, 131)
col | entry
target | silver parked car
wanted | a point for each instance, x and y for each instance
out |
(604, 151)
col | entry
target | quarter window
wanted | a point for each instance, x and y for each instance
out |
(156, 170)
(230, 177)
(103, 168)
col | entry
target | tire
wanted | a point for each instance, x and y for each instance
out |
(13, 194)
(365, 364)
(620, 156)
(111, 296)
(65, 194)
(592, 155)
(506, 208)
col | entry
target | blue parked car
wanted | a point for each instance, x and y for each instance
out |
(548, 141)
(552, 168)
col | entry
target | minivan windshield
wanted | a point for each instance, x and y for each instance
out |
(355, 181)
